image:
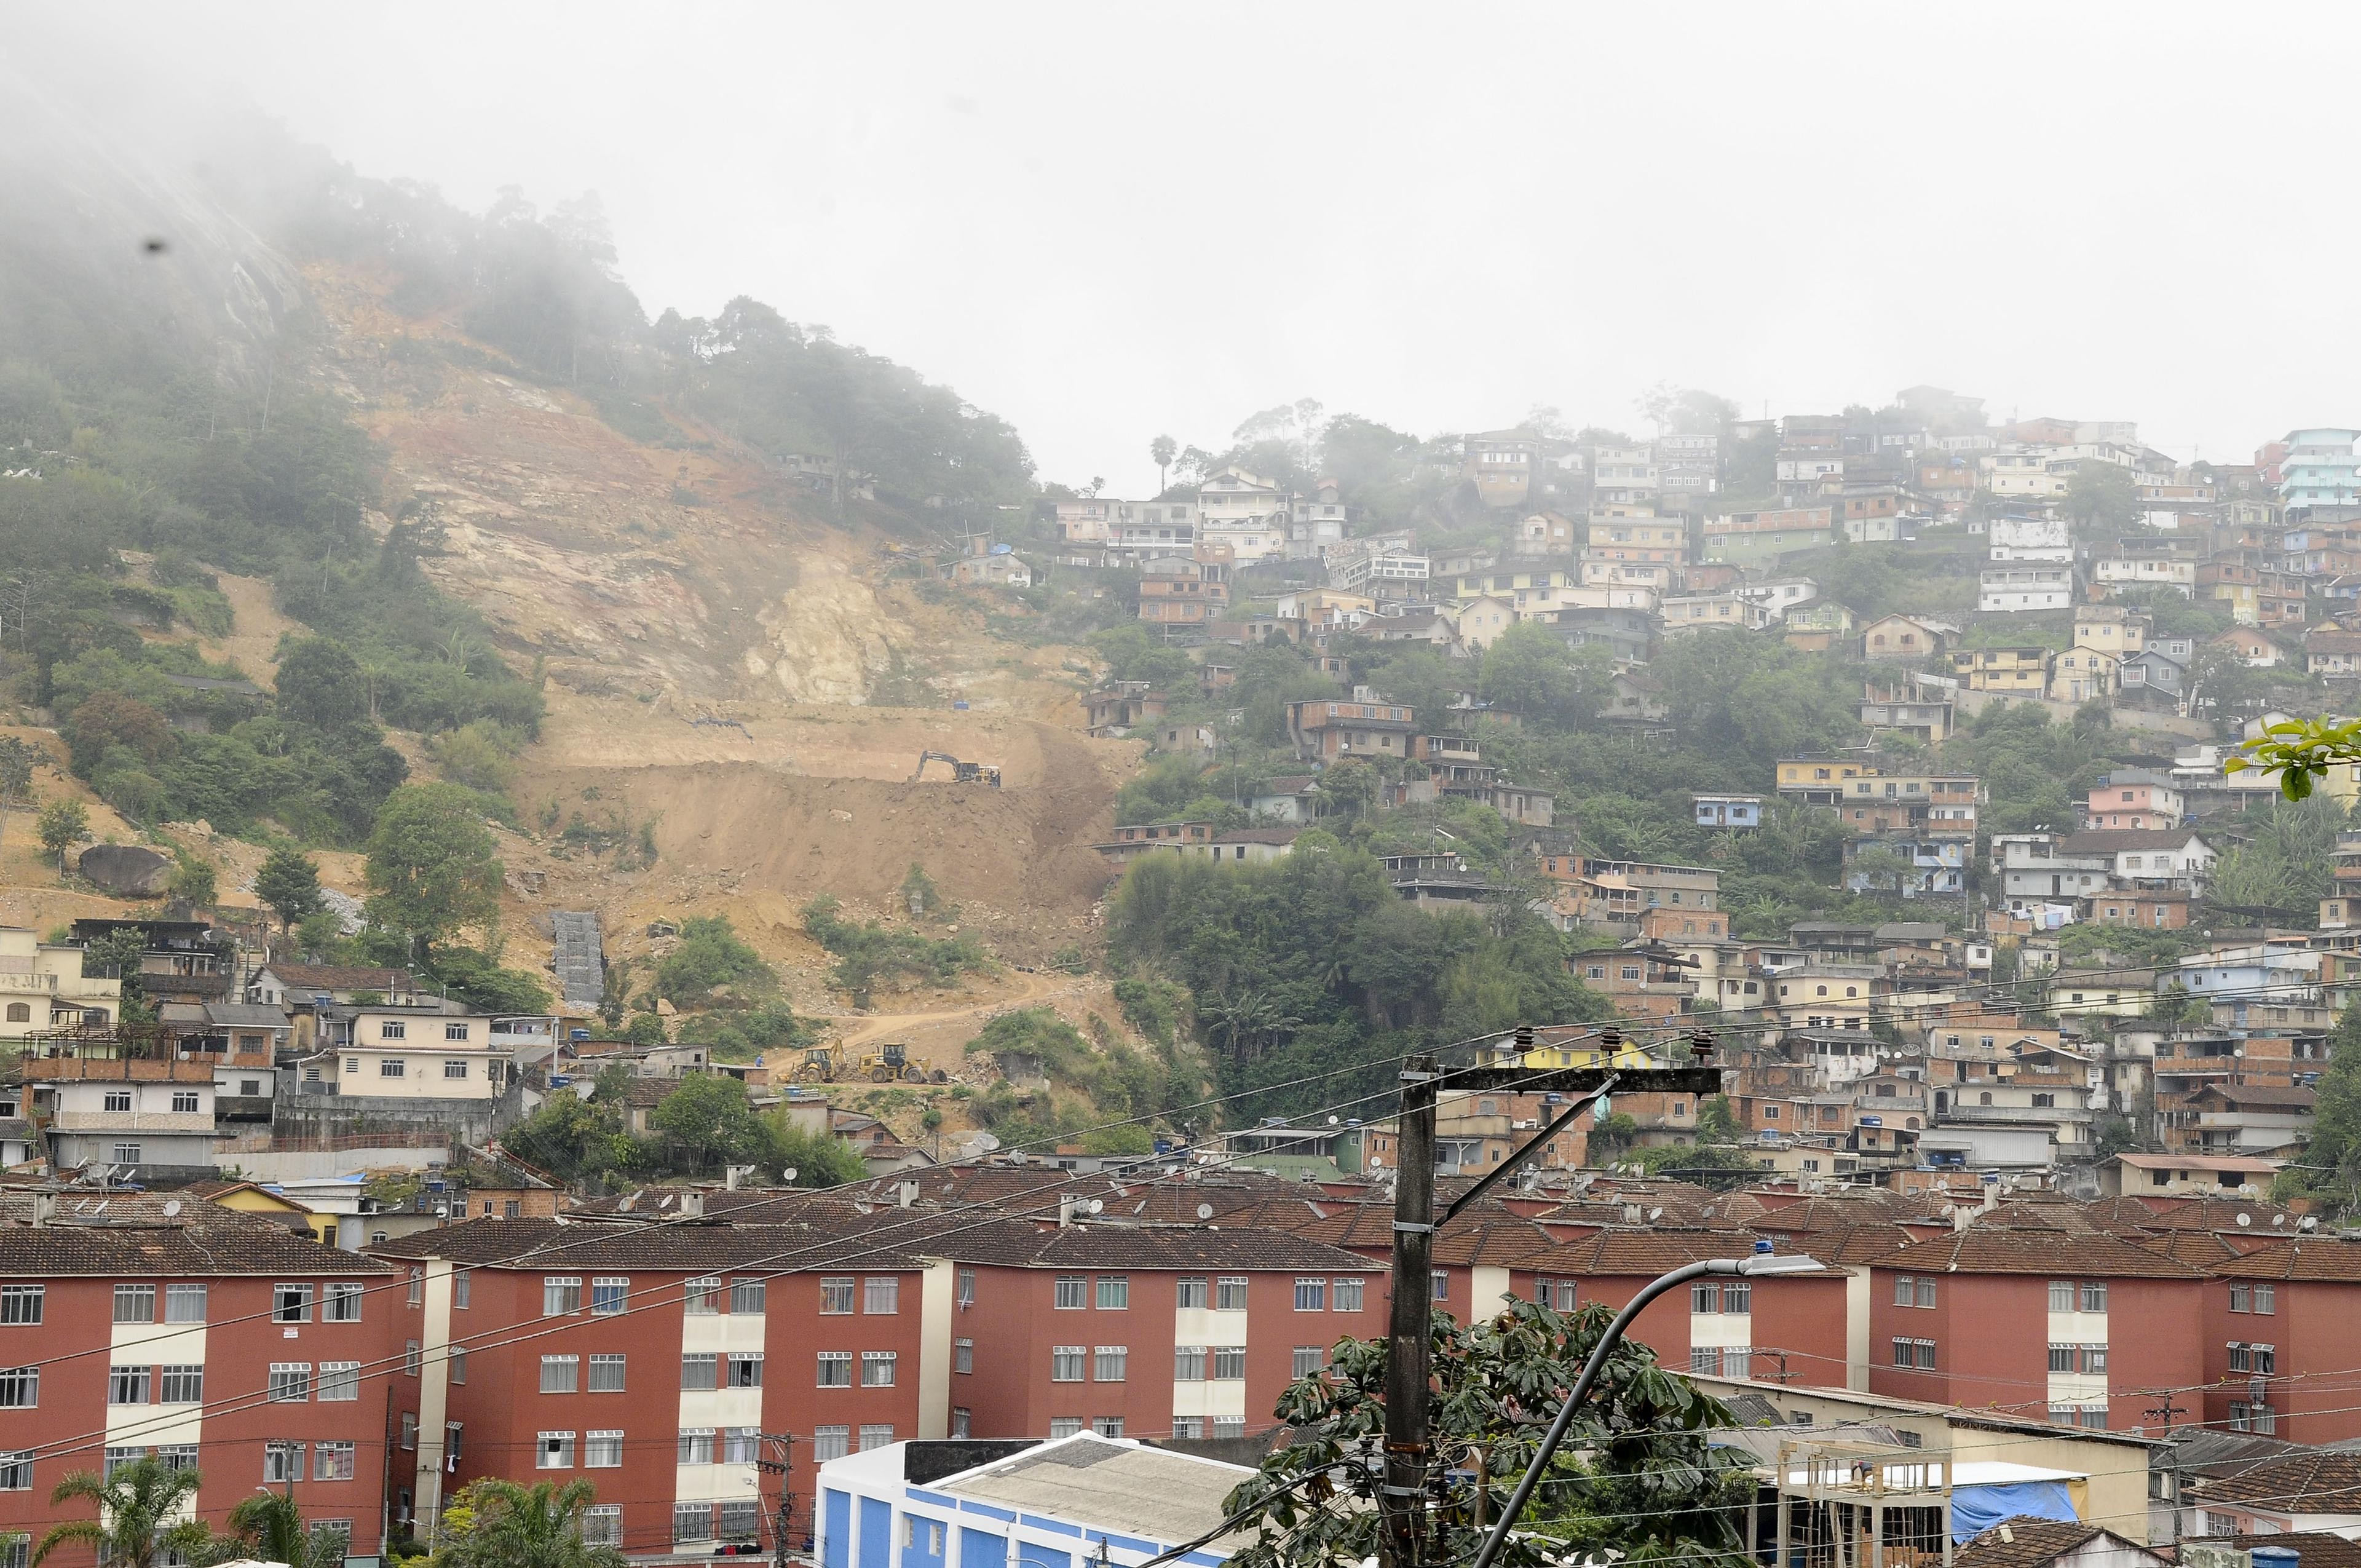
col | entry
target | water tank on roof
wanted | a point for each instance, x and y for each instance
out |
(1003, 550)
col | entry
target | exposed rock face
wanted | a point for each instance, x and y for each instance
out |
(125, 871)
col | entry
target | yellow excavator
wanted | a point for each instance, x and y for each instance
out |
(961, 773)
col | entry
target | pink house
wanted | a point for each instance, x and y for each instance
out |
(2131, 797)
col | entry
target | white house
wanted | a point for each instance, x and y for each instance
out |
(2025, 587)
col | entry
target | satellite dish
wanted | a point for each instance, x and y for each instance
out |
(2279, 1220)
(1204, 1211)
(1376, 1164)
(1097, 1204)
(1331, 1120)
(2245, 1219)
(789, 1174)
(172, 1208)
(1654, 1214)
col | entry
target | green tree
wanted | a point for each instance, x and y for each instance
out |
(1529, 670)
(136, 1506)
(711, 955)
(194, 882)
(2101, 497)
(1637, 1477)
(706, 1121)
(62, 824)
(530, 1526)
(1716, 1123)
(322, 685)
(431, 867)
(17, 760)
(269, 1528)
(1160, 451)
(818, 1160)
(289, 881)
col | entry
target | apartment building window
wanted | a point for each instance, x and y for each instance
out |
(1107, 1426)
(1914, 1290)
(1312, 1295)
(411, 1362)
(417, 1287)
(184, 1100)
(881, 1294)
(177, 1456)
(2061, 1295)
(1230, 1293)
(1705, 1361)
(1111, 1363)
(1188, 1426)
(602, 1449)
(740, 1518)
(878, 1435)
(340, 1300)
(1307, 1359)
(458, 1364)
(409, 1431)
(1348, 1288)
(691, 1521)
(336, 1460)
(2256, 1360)
(2261, 1297)
(835, 1295)
(746, 1296)
(1188, 1364)
(1229, 1362)
(1114, 1292)
(1066, 1362)
(463, 1287)
(697, 1371)
(22, 1303)
(2061, 1358)
(339, 1380)
(21, 1388)
(1916, 1353)
(128, 1385)
(696, 1445)
(136, 1304)
(560, 1374)
(2094, 1296)
(561, 1294)
(183, 1385)
(16, 1472)
(1064, 1426)
(282, 1462)
(606, 1375)
(1071, 1292)
(1441, 1285)
(602, 1525)
(392, 1029)
(830, 1442)
(966, 1289)
(963, 1421)
(2246, 1417)
(1189, 1291)
(118, 1099)
(835, 1369)
(609, 1294)
(392, 1067)
(742, 1371)
(701, 1298)
(116, 1458)
(963, 1355)
(2093, 1358)
(290, 1381)
(877, 1368)
(454, 1070)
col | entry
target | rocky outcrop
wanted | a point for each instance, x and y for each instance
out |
(128, 871)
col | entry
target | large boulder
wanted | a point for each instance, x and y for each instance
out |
(126, 871)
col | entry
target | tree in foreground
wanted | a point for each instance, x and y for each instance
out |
(528, 1526)
(1637, 1475)
(136, 1506)
(269, 1527)
(2330, 1172)
(290, 883)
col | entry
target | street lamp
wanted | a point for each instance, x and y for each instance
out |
(1762, 1261)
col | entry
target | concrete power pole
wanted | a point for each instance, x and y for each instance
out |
(1403, 1499)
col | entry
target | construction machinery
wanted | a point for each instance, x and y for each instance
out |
(961, 773)
(818, 1066)
(889, 1062)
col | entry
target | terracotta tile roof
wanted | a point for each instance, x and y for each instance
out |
(2259, 1095)
(2199, 1249)
(2027, 1543)
(1484, 1236)
(683, 1247)
(1146, 1247)
(2087, 1253)
(2314, 1257)
(129, 1235)
(2107, 840)
(2317, 1482)
(2245, 1215)
(1643, 1252)
(340, 977)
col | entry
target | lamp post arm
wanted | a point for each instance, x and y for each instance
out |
(1581, 1390)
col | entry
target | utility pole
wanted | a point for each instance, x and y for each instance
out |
(1404, 1499)
(784, 1445)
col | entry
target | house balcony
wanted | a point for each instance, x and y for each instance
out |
(198, 1121)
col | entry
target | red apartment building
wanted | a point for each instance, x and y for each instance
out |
(1952, 1320)
(133, 1324)
(2279, 1342)
(1186, 1331)
(593, 1348)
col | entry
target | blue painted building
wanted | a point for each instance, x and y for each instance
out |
(1068, 1503)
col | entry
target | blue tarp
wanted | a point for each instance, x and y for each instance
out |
(1975, 1510)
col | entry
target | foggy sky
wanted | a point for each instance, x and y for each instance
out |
(1107, 222)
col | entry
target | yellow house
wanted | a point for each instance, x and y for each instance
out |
(1483, 618)
(2111, 629)
(1580, 1046)
(42, 987)
(249, 1199)
(2082, 674)
(2019, 670)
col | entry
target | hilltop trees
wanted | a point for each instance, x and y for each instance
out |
(288, 883)
(431, 872)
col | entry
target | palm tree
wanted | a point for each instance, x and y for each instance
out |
(532, 1527)
(1161, 451)
(135, 1527)
(269, 1526)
